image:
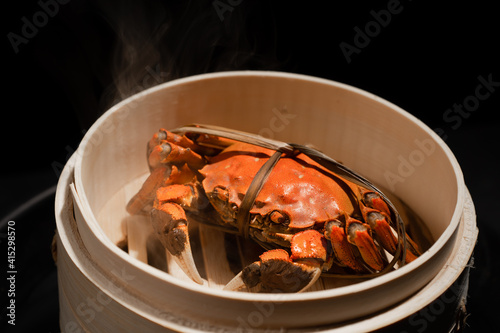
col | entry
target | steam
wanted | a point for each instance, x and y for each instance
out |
(158, 41)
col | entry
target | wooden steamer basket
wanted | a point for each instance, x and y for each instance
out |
(104, 288)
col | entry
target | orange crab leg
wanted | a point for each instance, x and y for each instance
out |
(380, 225)
(342, 249)
(166, 152)
(379, 222)
(412, 251)
(374, 200)
(308, 244)
(206, 140)
(177, 193)
(170, 223)
(164, 135)
(161, 176)
(378, 219)
(180, 140)
(182, 175)
(147, 193)
(169, 220)
(359, 236)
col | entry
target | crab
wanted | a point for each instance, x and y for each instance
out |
(309, 217)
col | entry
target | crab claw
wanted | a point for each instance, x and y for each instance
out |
(276, 272)
(170, 223)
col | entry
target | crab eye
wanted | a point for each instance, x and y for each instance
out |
(221, 193)
(279, 217)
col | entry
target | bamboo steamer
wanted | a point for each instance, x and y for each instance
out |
(104, 288)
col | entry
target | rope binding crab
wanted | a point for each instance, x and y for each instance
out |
(290, 149)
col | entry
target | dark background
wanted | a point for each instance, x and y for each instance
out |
(83, 56)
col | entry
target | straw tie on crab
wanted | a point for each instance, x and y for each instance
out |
(308, 211)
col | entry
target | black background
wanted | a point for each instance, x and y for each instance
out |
(427, 59)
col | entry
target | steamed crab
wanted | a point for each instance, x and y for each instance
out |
(310, 214)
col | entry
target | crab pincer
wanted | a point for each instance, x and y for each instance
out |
(277, 271)
(170, 224)
(170, 190)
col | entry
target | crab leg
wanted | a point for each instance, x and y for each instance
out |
(179, 140)
(161, 176)
(276, 271)
(335, 231)
(344, 235)
(170, 223)
(374, 200)
(377, 216)
(358, 234)
(379, 223)
(170, 153)
(146, 194)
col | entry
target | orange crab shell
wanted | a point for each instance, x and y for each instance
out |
(297, 186)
